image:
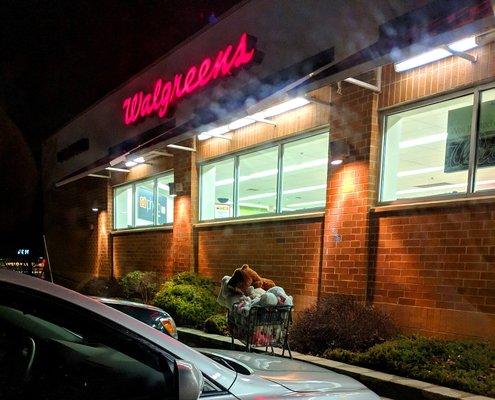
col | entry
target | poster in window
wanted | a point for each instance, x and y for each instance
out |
(459, 137)
(145, 204)
(162, 210)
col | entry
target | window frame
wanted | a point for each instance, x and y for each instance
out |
(132, 184)
(474, 90)
(279, 143)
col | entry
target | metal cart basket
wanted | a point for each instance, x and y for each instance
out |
(263, 326)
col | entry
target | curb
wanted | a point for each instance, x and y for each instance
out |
(382, 383)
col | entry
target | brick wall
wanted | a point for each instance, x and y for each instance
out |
(184, 211)
(144, 251)
(350, 192)
(77, 237)
(286, 251)
(434, 269)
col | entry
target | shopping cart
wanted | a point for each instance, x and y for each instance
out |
(262, 326)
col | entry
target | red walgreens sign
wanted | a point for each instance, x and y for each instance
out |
(167, 92)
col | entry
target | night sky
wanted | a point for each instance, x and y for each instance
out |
(58, 58)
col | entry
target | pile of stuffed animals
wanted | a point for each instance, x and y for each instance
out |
(246, 288)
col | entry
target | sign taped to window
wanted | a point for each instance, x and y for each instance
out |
(223, 210)
(459, 137)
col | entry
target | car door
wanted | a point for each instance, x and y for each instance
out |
(51, 350)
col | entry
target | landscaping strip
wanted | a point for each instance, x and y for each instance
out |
(382, 383)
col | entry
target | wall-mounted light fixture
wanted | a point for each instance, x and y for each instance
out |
(174, 188)
(339, 150)
(458, 48)
(94, 209)
(261, 116)
(134, 162)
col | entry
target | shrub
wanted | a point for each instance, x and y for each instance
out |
(188, 299)
(464, 365)
(141, 286)
(101, 287)
(217, 324)
(190, 278)
(339, 321)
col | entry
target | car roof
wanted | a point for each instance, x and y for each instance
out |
(222, 375)
(108, 300)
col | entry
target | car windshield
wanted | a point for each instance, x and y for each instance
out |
(140, 313)
(228, 362)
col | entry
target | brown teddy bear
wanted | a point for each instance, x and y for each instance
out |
(244, 277)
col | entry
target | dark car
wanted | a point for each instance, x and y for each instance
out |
(152, 316)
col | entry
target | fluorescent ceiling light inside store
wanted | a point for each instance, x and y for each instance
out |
(436, 54)
(419, 171)
(271, 172)
(289, 191)
(440, 137)
(307, 203)
(443, 187)
(251, 119)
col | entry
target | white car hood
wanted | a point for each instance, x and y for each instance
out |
(294, 375)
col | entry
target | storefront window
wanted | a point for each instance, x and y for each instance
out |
(426, 150)
(123, 207)
(304, 173)
(485, 166)
(258, 182)
(144, 203)
(165, 202)
(217, 195)
(261, 188)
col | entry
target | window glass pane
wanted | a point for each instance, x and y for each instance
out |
(304, 173)
(427, 150)
(165, 209)
(258, 182)
(123, 207)
(217, 190)
(145, 203)
(485, 167)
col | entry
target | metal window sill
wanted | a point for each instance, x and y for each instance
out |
(254, 220)
(456, 202)
(140, 230)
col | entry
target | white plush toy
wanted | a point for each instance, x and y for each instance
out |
(226, 297)
(268, 299)
(282, 298)
(254, 293)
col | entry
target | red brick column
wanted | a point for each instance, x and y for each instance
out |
(184, 210)
(350, 193)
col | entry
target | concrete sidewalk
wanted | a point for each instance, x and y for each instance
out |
(384, 384)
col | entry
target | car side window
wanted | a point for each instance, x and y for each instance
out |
(55, 350)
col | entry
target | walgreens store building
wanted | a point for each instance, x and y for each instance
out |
(331, 152)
